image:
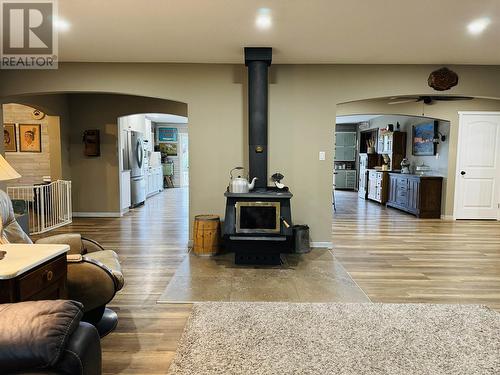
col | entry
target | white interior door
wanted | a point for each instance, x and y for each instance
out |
(477, 187)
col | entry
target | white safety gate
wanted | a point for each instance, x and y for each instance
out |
(48, 205)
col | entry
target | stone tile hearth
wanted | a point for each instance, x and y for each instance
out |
(313, 277)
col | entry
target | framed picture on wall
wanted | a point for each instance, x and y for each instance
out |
(30, 138)
(167, 134)
(423, 139)
(170, 149)
(9, 138)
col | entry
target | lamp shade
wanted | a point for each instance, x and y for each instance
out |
(6, 171)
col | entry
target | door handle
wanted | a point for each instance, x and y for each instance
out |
(462, 173)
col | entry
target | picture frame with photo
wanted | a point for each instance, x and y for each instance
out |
(30, 138)
(169, 149)
(166, 134)
(9, 138)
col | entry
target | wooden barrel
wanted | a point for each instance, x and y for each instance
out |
(206, 235)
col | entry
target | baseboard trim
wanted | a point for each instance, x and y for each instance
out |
(447, 217)
(97, 214)
(315, 244)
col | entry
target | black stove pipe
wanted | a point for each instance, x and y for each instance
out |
(258, 60)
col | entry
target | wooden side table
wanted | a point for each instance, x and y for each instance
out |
(30, 272)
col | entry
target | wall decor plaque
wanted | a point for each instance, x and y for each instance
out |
(442, 79)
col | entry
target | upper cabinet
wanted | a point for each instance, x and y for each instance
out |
(345, 146)
(394, 145)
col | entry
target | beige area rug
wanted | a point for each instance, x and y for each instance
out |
(340, 339)
(313, 277)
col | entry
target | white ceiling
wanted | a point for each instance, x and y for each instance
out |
(355, 119)
(303, 31)
(166, 118)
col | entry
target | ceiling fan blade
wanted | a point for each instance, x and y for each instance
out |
(402, 101)
(451, 98)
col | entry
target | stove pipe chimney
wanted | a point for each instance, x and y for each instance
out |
(258, 60)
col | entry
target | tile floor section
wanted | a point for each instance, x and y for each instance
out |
(313, 277)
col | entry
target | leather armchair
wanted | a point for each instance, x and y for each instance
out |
(94, 274)
(47, 337)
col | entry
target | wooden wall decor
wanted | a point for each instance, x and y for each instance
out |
(37, 114)
(92, 142)
(442, 79)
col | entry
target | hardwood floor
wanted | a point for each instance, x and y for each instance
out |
(395, 257)
(151, 241)
(391, 255)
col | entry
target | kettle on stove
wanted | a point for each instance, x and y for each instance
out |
(240, 184)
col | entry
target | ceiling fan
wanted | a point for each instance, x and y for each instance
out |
(426, 99)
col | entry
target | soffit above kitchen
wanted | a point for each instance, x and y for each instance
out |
(300, 32)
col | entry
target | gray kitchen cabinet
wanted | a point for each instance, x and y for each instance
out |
(345, 146)
(340, 179)
(350, 179)
(345, 179)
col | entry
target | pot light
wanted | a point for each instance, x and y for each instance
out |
(61, 24)
(477, 26)
(264, 20)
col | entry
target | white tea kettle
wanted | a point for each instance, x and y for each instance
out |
(240, 184)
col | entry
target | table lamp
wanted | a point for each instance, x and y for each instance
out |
(6, 173)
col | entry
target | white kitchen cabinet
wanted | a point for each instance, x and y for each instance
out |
(154, 181)
(125, 190)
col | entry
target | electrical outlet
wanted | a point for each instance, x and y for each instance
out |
(437, 155)
(322, 155)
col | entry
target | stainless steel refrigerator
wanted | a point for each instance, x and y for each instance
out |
(135, 151)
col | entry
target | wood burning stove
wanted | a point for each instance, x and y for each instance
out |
(257, 225)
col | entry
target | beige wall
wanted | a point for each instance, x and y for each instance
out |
(302, 110)
(56, 108)
(440, 110)
(32, 166)
(96, 179)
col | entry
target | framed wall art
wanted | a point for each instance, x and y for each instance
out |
(9, 138)
(170, 149)
(423, 139)
(30, 139)
(166, 134)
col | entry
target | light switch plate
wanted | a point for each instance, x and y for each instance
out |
(322, 155)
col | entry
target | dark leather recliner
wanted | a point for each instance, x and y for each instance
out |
(47, 337)
(94, 274)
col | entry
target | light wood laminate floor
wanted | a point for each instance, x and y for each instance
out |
(392, 256)
(395, 257)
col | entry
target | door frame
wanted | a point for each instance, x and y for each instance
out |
(461, 115)
(182, 180)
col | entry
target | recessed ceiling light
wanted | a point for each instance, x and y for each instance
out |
(477, 26)
(61, 24)
(264, 20)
